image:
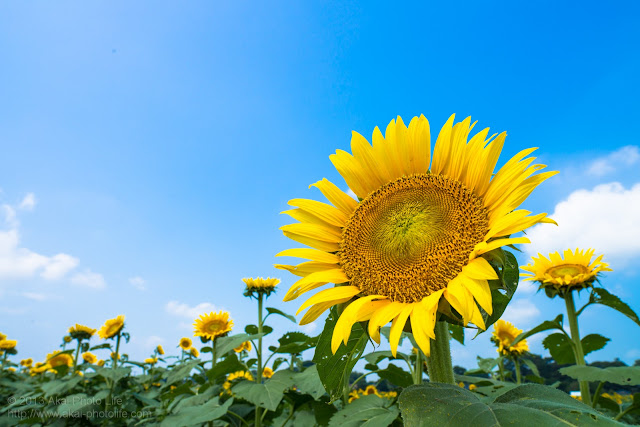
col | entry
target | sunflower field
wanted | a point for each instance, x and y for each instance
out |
(421, 254)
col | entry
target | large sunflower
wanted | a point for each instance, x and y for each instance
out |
(503, 335)
(213, 325)
(81, 332)
(111, 327)
(575, 271)
(415, 239)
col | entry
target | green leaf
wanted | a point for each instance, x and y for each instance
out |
(332, 368)
(60, 386)
(623, 375)
(323, 411)
(272, 310)
(114, 375)
(227, 344)
(101, 346)
(267, 395)
(593, 342)
(560, 348)
(487, 364)
(602, 296)
(396, 376)
(525, 405)
(502, 290)
(457, 332)
(197, 415)
(376, 357)
(180, 373)
(225, 366)
(294, 342)
(544, 326)
(308, 382)
(532, 366)
(368, 410)
(74, 403)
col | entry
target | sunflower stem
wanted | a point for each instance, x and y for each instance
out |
(585, 393)
(417, 372)
(516, 362)
(501, 368)
(114, 366)
(75, 360)
(439, 366)
(258, 418)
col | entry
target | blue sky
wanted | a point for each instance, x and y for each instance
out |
(147, 148)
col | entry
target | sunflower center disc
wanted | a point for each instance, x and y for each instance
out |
(412, 236)
(567, 269)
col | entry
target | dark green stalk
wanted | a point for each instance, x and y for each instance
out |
(585, 393)
(439, 365)
(258, 418)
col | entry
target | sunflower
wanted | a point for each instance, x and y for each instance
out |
(213, 325)
(100, 363)
(89, 357)
(238, 375)
(160, 350)
(151, 360)
(575, 271)
(39, 368)
(258, 286)
(244, 346)
(194, 352)
(370, 389)
(267, 372)
(67, 339)
(57, 358)
(185, 343)
(26, 362)
(415, 240)
(111, 327)
(2, 336)
(8, 344)
(503, 335)
(81, 332)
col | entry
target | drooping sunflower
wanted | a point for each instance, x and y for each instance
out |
(8, 344)
(100, 363)
(260, 285)
(504, 333)
(26, 362)
(111, 327)
(89, 357)
(57, 358)
(81, 332)
(244, 346)
(2, 336)
(194, 352)
(160, 350)
(213, 325)
(151, 360)
(575, 271)
(185, 343)
(415, 240)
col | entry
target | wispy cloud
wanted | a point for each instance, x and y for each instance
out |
(138, 283)
(185, 310)
(521, 312)
(621, 158)
(89, 279)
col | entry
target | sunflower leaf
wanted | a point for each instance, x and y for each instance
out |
(604, 297)
(272, 310)
(560, 348)
(502, 290)
(396, 375)
(457, 332)
(226, 344)
(623, 375)
(333, 368)
(529, 404)
(544, 326)
(367, 410)
(267, 395)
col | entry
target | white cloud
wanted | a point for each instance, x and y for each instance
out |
(29, 202)
(89, 279)
(521, 312)
(184, 310)
(605, 218)
(138, 283)
(58, 266)
(309, 328)
(34, 296)
(623, 157)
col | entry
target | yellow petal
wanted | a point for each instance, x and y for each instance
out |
(336, 276)
(315, 311)
(460, 299)
(305, 268)
(345, 203)
(350, 315)
(480, 268)
(330, 295)
(441, 150)
(418, 326)
(365, 156)
(314, 231)
(323, 211)
(351, 171)
(397, 326)
(480, 291)
(312, 254)
(314, 243)
(382, 317)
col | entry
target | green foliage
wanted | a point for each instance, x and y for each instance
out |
(525, 405)
(561, 347)
(503, 289)
(367, 410)
(604, 297)
(623, 375)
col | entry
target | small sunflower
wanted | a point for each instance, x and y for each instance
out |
(244, 346)
(100, 363)
(238, 375)
(267, 372)
(160, 350)
(185, 343)
(111, 327)
(2, 336)
(57, 358)
(114, 355)
(26, 362)
(413, 243)
(8, 344)
(194, 352)
(259, 286)
(575, 271)
(40, 367)
(81, 332)
(89, 357)
(503, 335)
(370, 389)
(67, 339)
(213, 325)
(151, 360)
